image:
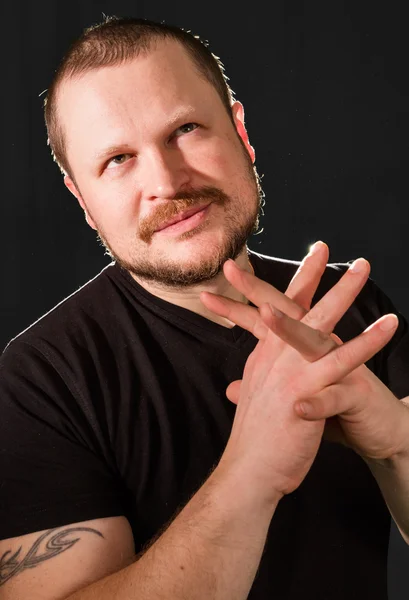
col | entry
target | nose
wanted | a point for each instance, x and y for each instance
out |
(163, 174)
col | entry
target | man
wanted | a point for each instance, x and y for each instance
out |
(126, 472)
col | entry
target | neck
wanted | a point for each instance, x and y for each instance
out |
(190, 298)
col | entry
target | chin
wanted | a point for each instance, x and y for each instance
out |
(189, 259)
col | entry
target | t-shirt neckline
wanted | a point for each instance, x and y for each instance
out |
(184, 317)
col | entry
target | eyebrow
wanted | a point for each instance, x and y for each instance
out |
(182, 113)
(112, 151)
(117, 149)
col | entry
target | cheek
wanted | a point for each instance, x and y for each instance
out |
(111, 207)
(221, 161)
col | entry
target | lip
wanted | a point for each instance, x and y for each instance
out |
(182, 216)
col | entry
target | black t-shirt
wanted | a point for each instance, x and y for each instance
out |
(114, 403)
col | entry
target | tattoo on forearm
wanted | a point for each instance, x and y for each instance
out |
(10, 566)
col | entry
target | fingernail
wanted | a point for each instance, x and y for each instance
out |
(358, 265)
(305, 408)
(314, 248)
(277, 313)
(389, 323)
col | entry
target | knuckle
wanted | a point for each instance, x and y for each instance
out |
(324, 337)
(299, 311)
(259, 328)
(315, 317)
(344, 356)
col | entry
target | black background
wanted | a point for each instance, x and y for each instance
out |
(325, 89)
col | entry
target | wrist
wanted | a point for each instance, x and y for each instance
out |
(241, 489)
(398, 451)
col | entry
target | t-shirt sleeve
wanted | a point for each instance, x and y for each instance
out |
(51, 470)
(395, 355)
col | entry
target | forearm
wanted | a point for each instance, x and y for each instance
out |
(210, 551)
(392, 476)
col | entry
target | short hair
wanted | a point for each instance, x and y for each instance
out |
(118, 40)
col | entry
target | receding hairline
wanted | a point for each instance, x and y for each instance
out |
(75, 74)
(152, 44)
(149, 46)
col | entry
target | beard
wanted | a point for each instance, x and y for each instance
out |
(241, 220)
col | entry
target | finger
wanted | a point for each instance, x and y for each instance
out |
(324, 405)
(311, 343)
(347, 357)
(241, 314)
(305, 282)
(329, 310)
(336, 339)
(259, 291)
(233, 391)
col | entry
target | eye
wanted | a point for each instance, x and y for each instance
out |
(118, 160)
(186, 128)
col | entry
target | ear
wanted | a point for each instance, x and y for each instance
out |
(73, 189)
(238, 115)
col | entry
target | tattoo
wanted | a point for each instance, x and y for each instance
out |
(10, 566)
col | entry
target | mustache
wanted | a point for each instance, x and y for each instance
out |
(183, 200)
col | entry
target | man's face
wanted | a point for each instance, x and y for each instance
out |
(148, 140)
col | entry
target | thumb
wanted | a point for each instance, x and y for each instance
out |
(233, 391)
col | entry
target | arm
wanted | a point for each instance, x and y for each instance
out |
(211, 550)
(392, 476)
(53, 563)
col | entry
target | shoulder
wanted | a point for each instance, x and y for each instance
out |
(369, 305)
(279, 271)
(71, 317)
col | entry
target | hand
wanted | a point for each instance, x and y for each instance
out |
(369, 418)
(295, 302)
(274, 443)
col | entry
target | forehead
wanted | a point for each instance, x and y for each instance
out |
(138, 93)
